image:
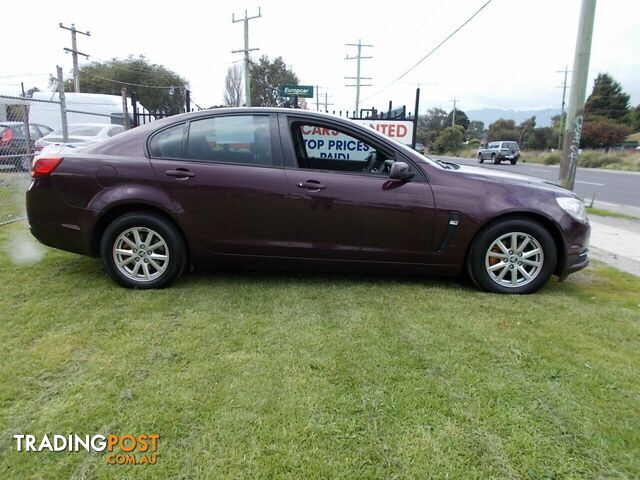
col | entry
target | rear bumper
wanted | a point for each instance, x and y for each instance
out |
(53, 222)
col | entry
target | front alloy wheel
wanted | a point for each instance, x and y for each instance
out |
(514, 260)
(512, 255)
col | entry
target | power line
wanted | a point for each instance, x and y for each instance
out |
(134, 84)
(434, 49)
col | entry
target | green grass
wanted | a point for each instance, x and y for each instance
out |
(601, 212)
(261, 375)
(613, 160)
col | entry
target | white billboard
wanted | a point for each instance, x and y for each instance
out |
(323, 142)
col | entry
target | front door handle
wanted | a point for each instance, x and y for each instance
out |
(311, 185)
(180, 173)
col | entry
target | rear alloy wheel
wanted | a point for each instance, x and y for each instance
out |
(480, 159)
(143, 250)
(512, 256)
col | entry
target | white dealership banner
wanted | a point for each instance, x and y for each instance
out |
(400, 130)
(323, 142)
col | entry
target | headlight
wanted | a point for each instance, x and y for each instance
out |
(574, 207)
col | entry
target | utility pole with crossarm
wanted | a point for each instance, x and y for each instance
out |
(246, 50)
(357, 78)
(74, 51)
(575, 112)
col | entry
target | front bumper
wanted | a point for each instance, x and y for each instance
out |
(577, 236)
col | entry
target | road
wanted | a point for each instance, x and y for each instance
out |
(608, 185)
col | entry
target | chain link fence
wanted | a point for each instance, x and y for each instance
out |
(29, 124)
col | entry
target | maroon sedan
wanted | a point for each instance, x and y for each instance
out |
(282, 188)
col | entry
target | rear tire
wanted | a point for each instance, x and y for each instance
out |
(143, 250)
(514, 255)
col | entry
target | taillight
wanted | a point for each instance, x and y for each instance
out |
(7, 135)
(44, 166)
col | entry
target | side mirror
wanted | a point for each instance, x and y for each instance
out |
(401, 171)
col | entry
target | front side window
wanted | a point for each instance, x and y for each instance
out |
(241, 139)
(167, 143)
(323, 148)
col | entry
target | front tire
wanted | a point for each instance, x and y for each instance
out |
(514, 255)
(514, 161)
(143, 250)
(495, 159)
(480, 159)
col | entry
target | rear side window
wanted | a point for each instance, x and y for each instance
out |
(167, 143)
(241, 139)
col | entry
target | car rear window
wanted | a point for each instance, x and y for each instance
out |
(243, 139)
(167, 143)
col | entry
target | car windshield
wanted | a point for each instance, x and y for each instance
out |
(81, 130)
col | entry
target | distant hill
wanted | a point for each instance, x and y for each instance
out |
(490, 115)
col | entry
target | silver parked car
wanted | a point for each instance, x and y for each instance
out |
(79, 135)
(499, 151)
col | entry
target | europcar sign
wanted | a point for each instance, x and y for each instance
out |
(305, 91)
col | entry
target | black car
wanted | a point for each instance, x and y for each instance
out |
(16, 146)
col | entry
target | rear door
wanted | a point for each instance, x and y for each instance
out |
(343, 206)
(224, 175)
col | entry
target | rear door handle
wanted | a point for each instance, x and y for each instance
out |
(180, 173)
(311, 185)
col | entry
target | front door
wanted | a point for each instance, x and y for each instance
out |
(342, 203)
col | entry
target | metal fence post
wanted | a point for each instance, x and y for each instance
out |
(63, 105)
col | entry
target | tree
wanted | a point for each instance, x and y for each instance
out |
(449, 141)
(542, 138)
(461, 119)
(526, 129)
(632, 119)
(139, 76)
(233, 87)
(266, 77)
(503, 129)
(602, 132)
(430, 125)
(607, 99)
(475, 129)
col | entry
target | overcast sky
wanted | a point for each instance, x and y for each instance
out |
(507, 57)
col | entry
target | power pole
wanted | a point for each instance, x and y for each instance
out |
(74, 51)
(575, 113)
(564, 94)
(453, 118)
(357, 78)
(246, 50)
(326, 102)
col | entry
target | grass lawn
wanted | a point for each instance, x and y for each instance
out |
(601, 212)
(303, 376)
